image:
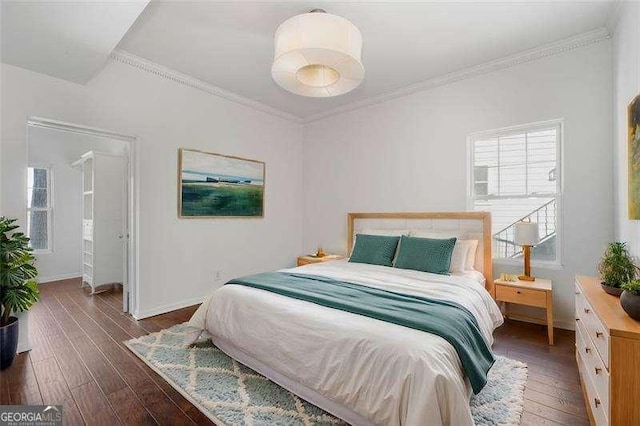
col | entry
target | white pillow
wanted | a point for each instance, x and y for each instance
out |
(459, 256)
(464, 249)
(471, 255)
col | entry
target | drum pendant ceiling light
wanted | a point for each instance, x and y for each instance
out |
(318, 55)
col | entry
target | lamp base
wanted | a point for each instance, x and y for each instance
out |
(526, 276)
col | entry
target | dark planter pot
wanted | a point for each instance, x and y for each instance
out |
(631, 304)
(614, 291)
(8, 343)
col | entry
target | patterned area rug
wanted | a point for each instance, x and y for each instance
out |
(232, 394)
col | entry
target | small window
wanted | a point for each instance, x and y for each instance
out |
(515, 175)
(39, 208)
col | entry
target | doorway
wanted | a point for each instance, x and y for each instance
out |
(80, 207)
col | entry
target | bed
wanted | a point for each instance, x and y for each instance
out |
(359, 368)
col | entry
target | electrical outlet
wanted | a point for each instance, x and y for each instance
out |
(217, 275)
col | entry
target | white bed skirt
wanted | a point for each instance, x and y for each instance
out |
(292, 386)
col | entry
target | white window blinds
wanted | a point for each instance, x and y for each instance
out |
(515, 174)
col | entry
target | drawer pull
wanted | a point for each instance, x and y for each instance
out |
(587, 350)
(587, 310)
(518, 292)
(597, 401)
(599, 334)
(577, 319)
(598, 370)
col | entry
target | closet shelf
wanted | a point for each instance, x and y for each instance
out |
(103, 182)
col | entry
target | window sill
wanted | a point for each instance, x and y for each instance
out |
(555, 266)
(48, 251)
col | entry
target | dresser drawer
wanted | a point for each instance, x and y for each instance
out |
(594, 399)
(594, 366)
(521, 296)
(592, 326)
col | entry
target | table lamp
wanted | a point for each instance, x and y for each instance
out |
(526, 235)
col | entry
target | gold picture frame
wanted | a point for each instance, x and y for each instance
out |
(212, 185)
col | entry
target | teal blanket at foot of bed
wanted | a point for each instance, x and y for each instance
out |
(449, 320)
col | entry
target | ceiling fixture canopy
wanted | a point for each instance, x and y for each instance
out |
(318, 55)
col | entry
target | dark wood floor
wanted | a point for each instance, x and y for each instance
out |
(78, 360)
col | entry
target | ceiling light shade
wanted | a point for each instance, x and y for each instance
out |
(318, 55)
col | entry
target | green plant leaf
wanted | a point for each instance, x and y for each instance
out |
(632, 287)
(616, 266)
(18, 288)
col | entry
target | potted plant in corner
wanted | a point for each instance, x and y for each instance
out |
(18, 288)
(616, 268)
(630, 299)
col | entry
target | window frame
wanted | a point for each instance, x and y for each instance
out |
(558, 195)
(48, 209)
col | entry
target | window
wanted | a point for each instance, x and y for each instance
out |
(39, 208)
(515, 175)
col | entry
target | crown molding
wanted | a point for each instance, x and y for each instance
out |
(534, 54)
(614, 16)
(143, 64)
(64, 126)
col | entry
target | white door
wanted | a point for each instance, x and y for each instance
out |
(125, 238)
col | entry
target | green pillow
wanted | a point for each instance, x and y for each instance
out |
(374, 249)
(425, 254)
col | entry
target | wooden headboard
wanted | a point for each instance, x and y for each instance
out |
(476, 224)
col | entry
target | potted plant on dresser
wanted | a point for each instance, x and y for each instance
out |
(18, 288)
(616, 267)
(630, 299)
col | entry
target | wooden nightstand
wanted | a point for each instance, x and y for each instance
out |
(305, 260)
(538, 293)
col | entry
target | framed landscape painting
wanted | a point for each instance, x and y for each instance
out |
(634, 158)
(214, 185)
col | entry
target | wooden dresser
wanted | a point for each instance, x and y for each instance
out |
(608, 356)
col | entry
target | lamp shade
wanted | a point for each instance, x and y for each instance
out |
(317, 55)
(526, 234)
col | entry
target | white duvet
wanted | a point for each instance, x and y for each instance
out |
(385, 373)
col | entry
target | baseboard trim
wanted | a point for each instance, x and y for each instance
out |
(565, 325)
(23, 347)
(167, 308)
(51, 278)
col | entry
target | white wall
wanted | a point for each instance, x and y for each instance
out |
(177, 257)
(57, 150)
(626, 85)
(409, 154)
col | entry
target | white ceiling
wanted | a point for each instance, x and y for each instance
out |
(69, 40)
(230, 44)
